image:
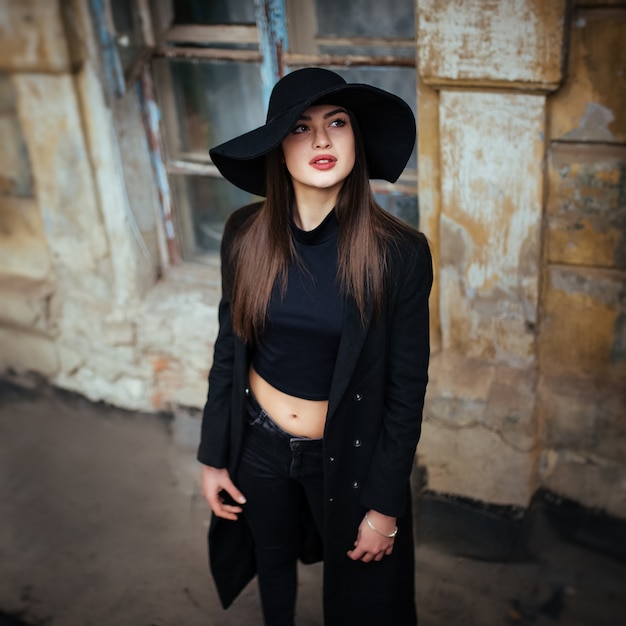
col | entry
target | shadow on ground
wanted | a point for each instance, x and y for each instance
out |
(101, 522)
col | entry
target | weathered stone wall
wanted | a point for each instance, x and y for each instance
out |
(582, 335)
(79, 254)
(521, 175)
(521, 186)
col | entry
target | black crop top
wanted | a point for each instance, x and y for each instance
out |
(298, 349)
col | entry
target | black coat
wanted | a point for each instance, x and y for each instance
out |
(372, 429)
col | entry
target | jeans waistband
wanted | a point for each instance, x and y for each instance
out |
(261, 418)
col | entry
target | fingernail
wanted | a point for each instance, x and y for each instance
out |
(242, 500)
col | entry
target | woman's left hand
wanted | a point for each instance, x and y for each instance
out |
(371, 545)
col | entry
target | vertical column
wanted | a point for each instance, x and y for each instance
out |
(485, 69)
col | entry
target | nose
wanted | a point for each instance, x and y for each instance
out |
(321, 139)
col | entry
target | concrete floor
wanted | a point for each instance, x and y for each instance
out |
(101, 524)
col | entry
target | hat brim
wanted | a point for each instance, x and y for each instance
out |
(386, 123)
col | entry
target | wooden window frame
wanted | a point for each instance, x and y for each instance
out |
(177, 42)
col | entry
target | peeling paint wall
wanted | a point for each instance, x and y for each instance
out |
(492, 185)
(523, 194)
(582, 337)
(80, 304)
(482, 41)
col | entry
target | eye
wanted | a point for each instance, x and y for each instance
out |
(300, 128)
(339, 122)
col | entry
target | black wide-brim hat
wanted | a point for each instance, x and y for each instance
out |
(386, 122)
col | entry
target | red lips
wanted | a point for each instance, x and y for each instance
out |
(323, 162)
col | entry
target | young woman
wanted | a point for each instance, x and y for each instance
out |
(320, 367)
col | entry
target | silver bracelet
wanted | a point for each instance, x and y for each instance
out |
(389, 536)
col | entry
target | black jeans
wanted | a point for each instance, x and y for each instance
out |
(274, 469)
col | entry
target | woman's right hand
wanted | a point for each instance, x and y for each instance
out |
(214, 481)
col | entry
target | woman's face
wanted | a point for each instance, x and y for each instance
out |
(319, 152)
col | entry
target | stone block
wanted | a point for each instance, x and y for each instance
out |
(476, 463)
(178, 385)
(131, 268)
(82, 317)
(118, 330)
(52, 125)
(492, 194)
(24, 252)
(478, 42)
(594, 482)
(97, 384)
(479, 438)
(178, 318)
(15, 174)
(32, 37)
(27, 352)
(114, 374)
(586, 207)
(590, 106)
(28, 306)
(584, 415)
(583, 331)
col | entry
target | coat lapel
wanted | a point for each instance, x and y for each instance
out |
(350, 345)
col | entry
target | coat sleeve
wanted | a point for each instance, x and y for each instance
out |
(408, 345)
(214, 439)
(213, 449)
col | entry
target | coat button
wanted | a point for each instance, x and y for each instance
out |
(331, 499)
(355, 484)
(247, 391)
(332, 459)
(357, 443)
(358, 397)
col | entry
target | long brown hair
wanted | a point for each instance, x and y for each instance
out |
(263, 248)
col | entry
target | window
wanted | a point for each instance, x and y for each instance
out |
(215, 65)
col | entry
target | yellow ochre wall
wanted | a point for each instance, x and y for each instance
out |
(522, 187)
(521, 148)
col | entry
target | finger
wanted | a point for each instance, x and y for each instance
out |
(234, 493)
(367, 557)
(379, 556)
(224, 514)
(230, 508)
(218, 506)
(229, 487)
(227, 511)
(356, 554)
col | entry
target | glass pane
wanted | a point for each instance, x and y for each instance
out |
(215, 102)
(366, 18)
(128, 36)
(397, 80)
(214, 12)
(203, 205)
(403, 206)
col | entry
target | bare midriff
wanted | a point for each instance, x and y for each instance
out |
(300, 417)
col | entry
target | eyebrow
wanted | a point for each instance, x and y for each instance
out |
(326, 115)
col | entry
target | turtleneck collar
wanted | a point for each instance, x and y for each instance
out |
(322, 233)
